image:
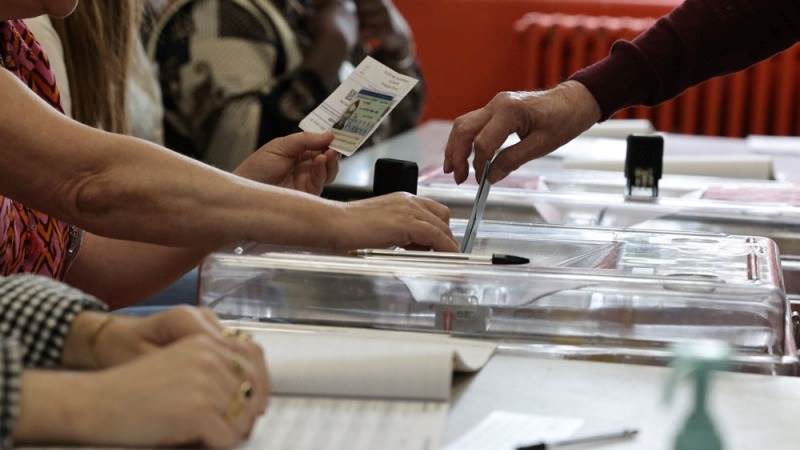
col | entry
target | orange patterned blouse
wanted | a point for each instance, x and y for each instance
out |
(31, 241)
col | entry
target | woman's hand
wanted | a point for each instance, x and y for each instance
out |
(395, 219)
(98, 341)
(301, 161)
(544, 121)
(185, 394)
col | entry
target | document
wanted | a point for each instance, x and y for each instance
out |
(348, 388)
(358, 106)
(503, 430)
(314, 423)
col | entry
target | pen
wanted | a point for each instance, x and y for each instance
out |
(624, 434)
(408, 255)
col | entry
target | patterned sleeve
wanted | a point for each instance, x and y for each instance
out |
(35, 316)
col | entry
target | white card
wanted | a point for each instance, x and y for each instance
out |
(358, 106)
(503, 430)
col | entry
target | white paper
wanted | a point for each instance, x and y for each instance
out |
(774, 145)
(503, 430)
(346, 362)
(308, 423)
(372, 76)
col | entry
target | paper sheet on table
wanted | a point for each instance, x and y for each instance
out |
(313, 423)
(730, 166)
(346, 362)
(774, 145)
(503, 430)
(358, 106)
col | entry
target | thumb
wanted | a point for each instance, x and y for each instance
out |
(509, 160)
(297, 143)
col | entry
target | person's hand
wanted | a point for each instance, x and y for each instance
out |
(97, 341)
(395, 219)
(381, 25)
(190, 393)
(544, 122)
(301, 161)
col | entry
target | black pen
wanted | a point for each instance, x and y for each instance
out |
(408, 255)
(624, 434)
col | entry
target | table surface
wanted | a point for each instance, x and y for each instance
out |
(751, 411)
(425, 146)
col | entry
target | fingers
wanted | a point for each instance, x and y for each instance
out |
(489, 140)
(512, 158)
(255, 370)
(425, 234)
(180, 322)
(441, 211)
(332, 165)
(459, 144)
(217, 433)
(295, 145)
(239, 385)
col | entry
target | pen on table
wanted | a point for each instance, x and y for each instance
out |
(624, 434)
(408, 255)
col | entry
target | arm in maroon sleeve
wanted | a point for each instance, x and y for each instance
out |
(697, 41)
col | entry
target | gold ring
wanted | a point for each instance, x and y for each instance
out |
(239, 401)
(237, 367)
(245, 391)
(241, 335)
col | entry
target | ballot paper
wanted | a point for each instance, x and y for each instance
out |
(358, 106)
(503, 430)
(314, 423)
(346, 388)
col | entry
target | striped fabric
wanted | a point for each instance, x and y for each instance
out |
(35, 316)
(31, 241)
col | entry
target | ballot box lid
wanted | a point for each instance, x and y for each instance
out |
(780, 222)
(593, 294)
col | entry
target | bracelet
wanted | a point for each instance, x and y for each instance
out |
(91, 342)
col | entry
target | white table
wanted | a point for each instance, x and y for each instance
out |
(751, 411)
(425, 146)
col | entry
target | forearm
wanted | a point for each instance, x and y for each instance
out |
(126, 188)
(699, 40)
(124, 272)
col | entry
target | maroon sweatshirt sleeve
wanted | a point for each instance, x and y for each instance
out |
(699, 40)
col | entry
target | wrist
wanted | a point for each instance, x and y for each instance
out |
(578, 94)
(338, 226)
(57, 407)
(78, 348)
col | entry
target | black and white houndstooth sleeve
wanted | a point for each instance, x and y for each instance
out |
(35, 316)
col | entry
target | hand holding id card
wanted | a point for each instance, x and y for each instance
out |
(358, 106)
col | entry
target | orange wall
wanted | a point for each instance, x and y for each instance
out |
(468, 48)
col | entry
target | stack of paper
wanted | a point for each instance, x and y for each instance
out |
(340, 388)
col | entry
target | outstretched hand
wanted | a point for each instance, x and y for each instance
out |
(544, 121)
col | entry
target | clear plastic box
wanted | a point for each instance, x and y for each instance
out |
(779, 222)
(592, 302)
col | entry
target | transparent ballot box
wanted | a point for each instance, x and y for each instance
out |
(777, 221)
(590, 303)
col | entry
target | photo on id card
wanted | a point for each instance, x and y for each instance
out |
(364, 113)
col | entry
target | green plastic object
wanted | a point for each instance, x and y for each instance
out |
(698, 361)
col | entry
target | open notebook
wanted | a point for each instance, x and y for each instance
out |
(358, 389)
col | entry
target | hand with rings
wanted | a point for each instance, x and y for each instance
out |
(204, 389)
